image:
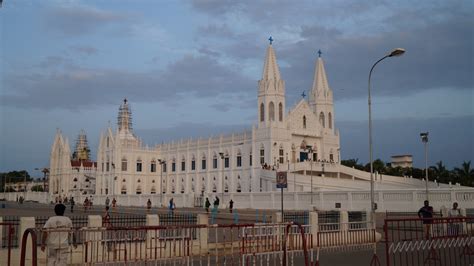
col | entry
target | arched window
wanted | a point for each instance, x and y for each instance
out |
(262, 155)
(239, 159)
(124, 190)
(139, 165)
(271, 111)
(153, 166)
(203, 162)
(304, 121)
(280, 112)
(124, 164)
(262, 112)
(329, 120)
(321, 119)
(281, 153)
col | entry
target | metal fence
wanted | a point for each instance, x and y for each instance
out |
(12, 230)
(6, 240)
(329, 221)
(436, 241)
(357, 220)
(301, 217)
(250, 244)
(395, 215)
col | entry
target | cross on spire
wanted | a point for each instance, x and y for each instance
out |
(271, 40)
(303, 95)
(319, 52)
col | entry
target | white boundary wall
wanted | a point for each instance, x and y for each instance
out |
(391, 200)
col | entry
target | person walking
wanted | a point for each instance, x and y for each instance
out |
(72, 203)
(114, 204)
(56, 237)
(107, 202)
(171, 205)
(426, 213)
(86, 204)
(207, 205)
(231, 205)
(148, 205)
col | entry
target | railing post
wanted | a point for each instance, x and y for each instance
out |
(25, 223)
(203, 219)
(1, 231)
(93, 237)
(313, 222)
(344, 221)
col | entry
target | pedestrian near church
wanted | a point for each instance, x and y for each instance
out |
(72, 203)
(107, 202)
(454, 227)
(231, 205)
(56, 238)
(114, 203)
(148, 205)
(426, 213)
(207, 205)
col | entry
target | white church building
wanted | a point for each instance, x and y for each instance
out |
(301, 140)
(230, 163)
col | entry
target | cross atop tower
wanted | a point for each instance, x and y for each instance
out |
(271, 40)
(319, 52)
(303, 95)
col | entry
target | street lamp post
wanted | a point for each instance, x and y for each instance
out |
(424, 139)
(221, 154)
(310, 151)
(395, 52)
(161, 162)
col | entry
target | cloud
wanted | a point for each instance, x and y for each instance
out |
(73, 87)
(84, 50)
(79, 20)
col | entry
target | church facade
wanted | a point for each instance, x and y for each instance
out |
(227, 163)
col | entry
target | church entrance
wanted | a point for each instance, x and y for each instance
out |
(303, 156)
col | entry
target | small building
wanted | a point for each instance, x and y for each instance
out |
(402, 161)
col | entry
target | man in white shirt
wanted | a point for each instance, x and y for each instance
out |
(56, 237)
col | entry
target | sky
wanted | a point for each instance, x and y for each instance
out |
(190, 69)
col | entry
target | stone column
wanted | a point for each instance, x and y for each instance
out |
(203, 233)
(314, 227)
(25, 223)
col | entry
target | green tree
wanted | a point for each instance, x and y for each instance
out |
(379, 166)
(465, 174)
(352, 163)
(38, 188)
(439, 172)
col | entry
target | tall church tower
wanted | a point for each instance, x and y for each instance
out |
(271, 93)
(321, 97)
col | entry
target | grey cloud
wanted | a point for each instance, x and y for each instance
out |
(214, 30)
(54, 61)
(208, 52)
(78, 20)
(75, 87)
(85, 50)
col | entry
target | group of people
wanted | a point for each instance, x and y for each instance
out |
(426, 213)
(207, 204)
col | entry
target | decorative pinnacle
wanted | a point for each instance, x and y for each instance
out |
(271, 40)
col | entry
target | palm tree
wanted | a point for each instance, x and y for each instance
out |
(465, 174)
(440, 172)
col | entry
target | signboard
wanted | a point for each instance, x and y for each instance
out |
(281, 181)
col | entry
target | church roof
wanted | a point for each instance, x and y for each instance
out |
(270, 68)
(78, 163)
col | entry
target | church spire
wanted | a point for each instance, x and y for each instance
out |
(124, 117)
(270, 68)
(82, 151)
(320, 89)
